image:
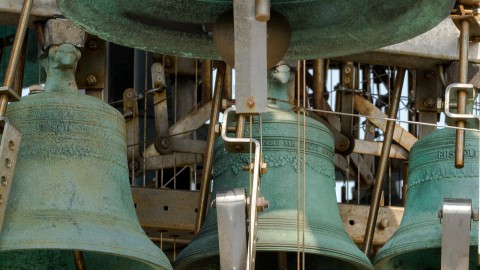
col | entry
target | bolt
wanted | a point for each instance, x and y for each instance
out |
(164, 143)
(91, 79)
(347, 69)
(129, 94)
(168, 63)
(263, 168)
(92, 44)
(133, 165)
(218, 129)
(158, 68)
(262, 204)
(384, 223)
(248, 167)
(439, 105)
(429, 75)
(429, 102)
(251, 102)
(347, 80)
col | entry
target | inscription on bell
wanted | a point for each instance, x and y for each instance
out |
(311, 147)
(450, 153)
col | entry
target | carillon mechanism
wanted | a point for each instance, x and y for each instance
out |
(239, 134)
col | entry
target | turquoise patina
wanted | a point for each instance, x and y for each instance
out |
(71, 189)
(320, 28)
(327, 245)
(432, 177)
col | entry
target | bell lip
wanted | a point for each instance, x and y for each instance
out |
(431, 239)
(190, 254)
(303, 45)
(81, 231)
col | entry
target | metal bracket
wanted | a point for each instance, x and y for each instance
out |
(12, 96)
(10, 144)
(232, 145)
(231, 206)
(250, 58)
(451, 107)
(456, 226)
(130, 109)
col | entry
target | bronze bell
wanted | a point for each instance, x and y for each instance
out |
(319, 28)
(71, 190)
(327, 245)
(432, 177)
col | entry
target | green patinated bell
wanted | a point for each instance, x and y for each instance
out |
(327, 245)
(320, 28)
(432, 177)
(71, 189)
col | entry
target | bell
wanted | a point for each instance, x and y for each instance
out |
(432, 177)
(319, 28)
(327, 245)
(70, 191)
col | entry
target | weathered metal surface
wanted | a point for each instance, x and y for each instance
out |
(91, 73)
(435, 47)
(130, 112)
(192, 120)
(164, 209)
(158, 162)
(320, 28)
(231, 205)
(400, 135)
(62, 31)
(10, 143)
(250, 59)
(375, 148)
(455, 216)
(71, 189)
(432, 177)
(354, 218)
(41, 10)
(326, 243)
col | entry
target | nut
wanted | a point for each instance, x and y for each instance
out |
(251, 102)
(92, 44)
(218, 129)
(263, 168)
(429, 75)
(384, 223)
(429, 102)
(91, 79)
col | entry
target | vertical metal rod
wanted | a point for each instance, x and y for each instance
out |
(208, 159)
(207, 81)
(16, 51)
(405, 182)
(382, 166)
(18, 85)
(318, 82)
(227, 85)
(240, 130)
(79, 261)
(462, 95)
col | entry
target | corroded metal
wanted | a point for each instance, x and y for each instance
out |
(327, 245)
(320, 28)
(432, 177)
(71, 189)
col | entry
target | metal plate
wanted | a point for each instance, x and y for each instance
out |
(8, 156)
(320, 28)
